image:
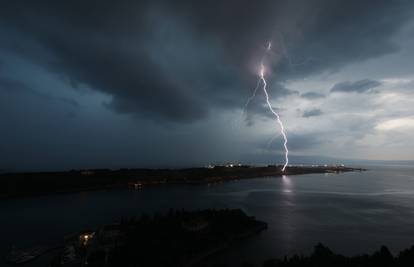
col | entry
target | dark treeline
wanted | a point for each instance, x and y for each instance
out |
(324, 257)
(22, 184)
(179, 238)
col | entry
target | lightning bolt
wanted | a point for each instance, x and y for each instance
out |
(262, 80)
(252, 96)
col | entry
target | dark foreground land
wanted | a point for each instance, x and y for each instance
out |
(179, 238)
(26, 184)
(324, 257)
(187, 238)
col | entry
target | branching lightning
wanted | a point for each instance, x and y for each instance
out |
(262, 80)
(253, 95)
(282, 128)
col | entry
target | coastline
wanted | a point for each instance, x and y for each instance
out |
(21, 185)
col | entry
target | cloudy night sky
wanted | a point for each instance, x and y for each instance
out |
(96, 84)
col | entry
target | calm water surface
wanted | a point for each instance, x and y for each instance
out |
(351, 213)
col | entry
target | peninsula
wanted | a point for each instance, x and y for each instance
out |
(40, 183)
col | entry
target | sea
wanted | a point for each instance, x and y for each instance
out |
(352, 213)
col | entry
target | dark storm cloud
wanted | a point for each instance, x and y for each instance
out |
(258, 110)
(70, 102)
(176, 61)
(342, 32)
(257, 107)
(300, 142)
(312, 95)
(297, 142)
(16, 87)
(360, 86)
(271, 150)
(312, 113)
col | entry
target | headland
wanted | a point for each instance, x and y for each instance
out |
(41, 183)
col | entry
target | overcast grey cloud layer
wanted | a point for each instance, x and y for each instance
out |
(181, 66)
(360, 86)
(312, 113)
